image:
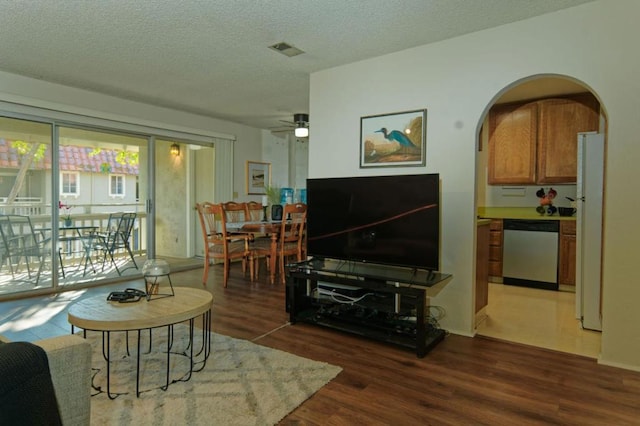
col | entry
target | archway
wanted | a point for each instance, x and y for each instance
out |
(522, 314)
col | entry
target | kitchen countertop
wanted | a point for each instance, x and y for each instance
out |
(480, 222)
(518, 213)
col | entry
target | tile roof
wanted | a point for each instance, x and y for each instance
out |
(72, 158)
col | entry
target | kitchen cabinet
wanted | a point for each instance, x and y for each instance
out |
(495, 248)
(482, 265)
(536, 142)
(512, 144)
(559, 122)
(567, 254)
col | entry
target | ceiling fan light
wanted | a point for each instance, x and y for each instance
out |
(300, 118)
(302, 125)
(301, 132)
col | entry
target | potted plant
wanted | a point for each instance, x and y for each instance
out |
(273, 196)
(66, 216)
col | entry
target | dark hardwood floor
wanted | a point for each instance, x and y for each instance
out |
(463, 381)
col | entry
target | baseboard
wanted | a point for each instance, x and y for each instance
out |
(618, 364)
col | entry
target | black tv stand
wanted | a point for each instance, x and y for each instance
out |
(380, 302)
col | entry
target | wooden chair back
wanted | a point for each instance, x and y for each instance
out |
(254, 211)
(217, 243)
(294, 218)
(211, 216)
(234, 212)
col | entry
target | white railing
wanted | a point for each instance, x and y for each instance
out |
(73, 249)
(96, 215)
(23, 205)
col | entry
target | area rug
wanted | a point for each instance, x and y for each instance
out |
(242, 383)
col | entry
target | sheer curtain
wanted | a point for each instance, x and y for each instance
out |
(223, 180)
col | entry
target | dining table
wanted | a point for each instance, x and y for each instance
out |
(268, 228)
(85, 234)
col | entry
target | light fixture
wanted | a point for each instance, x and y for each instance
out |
(175, 149)
(302, 125)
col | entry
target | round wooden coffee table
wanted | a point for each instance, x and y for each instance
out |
(98, 314)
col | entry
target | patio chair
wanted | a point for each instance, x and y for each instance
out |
(20, 241)
(119, 228)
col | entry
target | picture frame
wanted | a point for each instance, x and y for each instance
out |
(396, 139)
(258, 176)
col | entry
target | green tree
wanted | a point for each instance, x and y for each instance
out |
(29, 152)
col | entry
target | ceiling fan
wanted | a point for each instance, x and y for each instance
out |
(299, 125)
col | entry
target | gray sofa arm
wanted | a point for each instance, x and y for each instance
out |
(70, 365)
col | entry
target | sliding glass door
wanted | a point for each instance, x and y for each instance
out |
(102, 181)
(25, 208)
(81, 205)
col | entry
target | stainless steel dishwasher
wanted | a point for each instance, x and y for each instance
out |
(530, 257)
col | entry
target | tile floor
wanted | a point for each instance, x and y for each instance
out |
(535, 317)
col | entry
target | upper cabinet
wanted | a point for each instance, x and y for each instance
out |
(559, 122)
(512, 143)
(536, 142)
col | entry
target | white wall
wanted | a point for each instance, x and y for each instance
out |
(289, 158)
(457, 80)
(275, 150)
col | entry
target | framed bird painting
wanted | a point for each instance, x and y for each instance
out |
(393, 140)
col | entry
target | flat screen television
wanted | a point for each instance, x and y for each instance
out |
(393, 220)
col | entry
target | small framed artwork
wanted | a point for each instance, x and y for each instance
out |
(258, 176)
(393, 140)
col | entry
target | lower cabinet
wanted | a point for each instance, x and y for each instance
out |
(482, 266)
(495, 248)
(567, 254)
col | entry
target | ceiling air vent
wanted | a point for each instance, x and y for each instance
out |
(286, 49)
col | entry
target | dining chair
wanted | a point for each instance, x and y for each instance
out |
(260, 244)
(254, 211)
(218, 244)
(292, 236)
(20, 241)
(235, 212)
(116, 237)
(257, 242)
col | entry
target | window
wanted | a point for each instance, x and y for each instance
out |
(116, 185)
(70, 183)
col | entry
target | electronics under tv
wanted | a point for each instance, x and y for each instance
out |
(392, 220)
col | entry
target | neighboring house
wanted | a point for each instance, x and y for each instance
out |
(88, 177)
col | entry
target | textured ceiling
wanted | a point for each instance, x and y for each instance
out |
(211, 57)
